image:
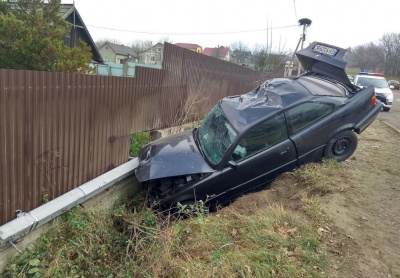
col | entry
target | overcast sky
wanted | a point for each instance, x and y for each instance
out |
(211, 23)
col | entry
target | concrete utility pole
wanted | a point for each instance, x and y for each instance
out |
(305, 22)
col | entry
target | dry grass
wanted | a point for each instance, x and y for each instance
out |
(260, 235)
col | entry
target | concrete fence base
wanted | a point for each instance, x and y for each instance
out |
(104, 200)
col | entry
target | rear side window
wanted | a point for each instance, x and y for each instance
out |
(305, 114)
(261, 137)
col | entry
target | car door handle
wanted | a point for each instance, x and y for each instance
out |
(284, 151)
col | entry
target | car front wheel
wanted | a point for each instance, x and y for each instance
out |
(341, 146)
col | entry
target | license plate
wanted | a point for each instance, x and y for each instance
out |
(326, 50)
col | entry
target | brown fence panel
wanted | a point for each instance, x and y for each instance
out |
(60, 130)
(199, 81)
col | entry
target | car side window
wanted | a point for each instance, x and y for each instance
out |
(261, 137)
(305, 114)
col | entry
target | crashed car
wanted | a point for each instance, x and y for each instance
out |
(246, 141)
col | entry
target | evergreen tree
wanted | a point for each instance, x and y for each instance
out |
(31, 38)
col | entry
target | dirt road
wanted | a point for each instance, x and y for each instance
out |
(367, 210)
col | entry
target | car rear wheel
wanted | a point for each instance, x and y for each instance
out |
(341, 146)
(386, 109)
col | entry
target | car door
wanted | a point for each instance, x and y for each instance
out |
(261, 154)
(309, 128)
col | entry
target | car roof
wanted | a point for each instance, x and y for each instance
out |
(274, 95)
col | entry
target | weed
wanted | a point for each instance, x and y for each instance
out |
(47, 162)
(189, 107)
(135, 241)
(198, 209)
(319, 178)
(138, 140)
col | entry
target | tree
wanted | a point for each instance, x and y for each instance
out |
(31, 38)
(359, 57)
(165, 39)
(140, 46)
(269, 61)
(390, 45)
(376, 57)
(240, 53)
(99, 43)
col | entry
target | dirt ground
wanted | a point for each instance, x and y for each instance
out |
(363, 206)
(367, 210)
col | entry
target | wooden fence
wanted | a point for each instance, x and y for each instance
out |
(60, 130)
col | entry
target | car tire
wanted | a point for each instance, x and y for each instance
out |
(386, 109)
(341, 146)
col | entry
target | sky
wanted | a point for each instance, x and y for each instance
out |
(213, 23)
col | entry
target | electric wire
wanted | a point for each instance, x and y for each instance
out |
(190, 34)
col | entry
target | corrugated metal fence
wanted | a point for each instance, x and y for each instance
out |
(60, 130)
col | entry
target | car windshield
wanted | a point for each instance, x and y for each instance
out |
(216, 135)
(378, 83)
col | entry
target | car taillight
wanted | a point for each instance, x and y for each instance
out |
(373, 100)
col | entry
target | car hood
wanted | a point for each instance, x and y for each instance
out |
(383, 90)
(175, 155)
(327, 60)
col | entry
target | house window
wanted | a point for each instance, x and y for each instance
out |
(159, 49)
(153, 59)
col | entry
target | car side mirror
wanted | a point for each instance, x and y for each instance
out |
(232, 164)
(391, 87)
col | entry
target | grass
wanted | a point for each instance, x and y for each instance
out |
(138, 140)
(134, 241)
(322, 178)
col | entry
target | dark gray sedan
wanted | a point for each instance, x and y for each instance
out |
(246, 141)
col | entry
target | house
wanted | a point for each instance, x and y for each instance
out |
(118, 53)
(194, 47)
(78, 31)
(154, 55)
(220, 52)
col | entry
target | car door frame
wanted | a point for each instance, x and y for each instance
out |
(284, 148)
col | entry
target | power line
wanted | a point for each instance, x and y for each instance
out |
(190, 34)
(295, 10)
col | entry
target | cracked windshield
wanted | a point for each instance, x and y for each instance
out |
(216, 135)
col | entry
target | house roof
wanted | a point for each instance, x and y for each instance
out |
(122, 49)
(66, 11)
(216, 51)
(188, 45)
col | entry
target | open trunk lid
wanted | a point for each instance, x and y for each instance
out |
(327, 60)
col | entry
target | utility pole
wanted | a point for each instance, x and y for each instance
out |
(305, 22)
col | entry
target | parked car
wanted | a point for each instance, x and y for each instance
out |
(395, 84)
(351, 78)
(382, 89)
(246, 141)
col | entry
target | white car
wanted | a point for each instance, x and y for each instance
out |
(383, 91)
